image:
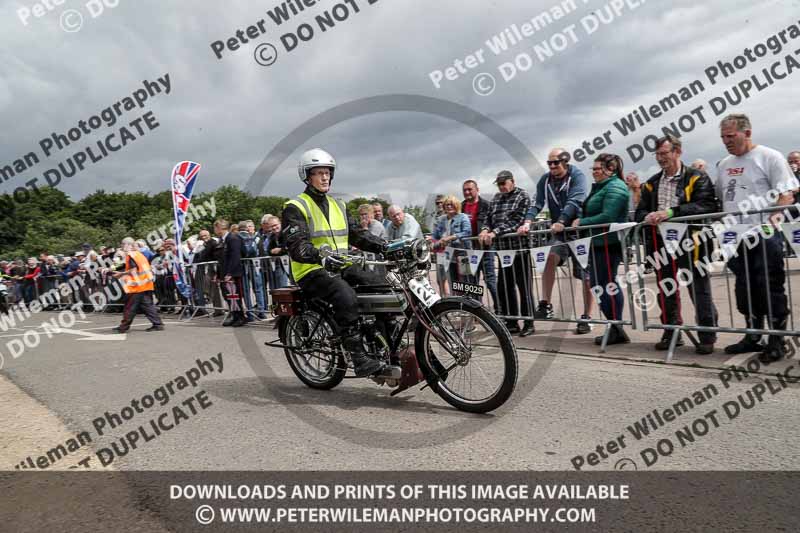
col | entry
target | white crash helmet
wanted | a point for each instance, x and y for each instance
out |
(315, 158)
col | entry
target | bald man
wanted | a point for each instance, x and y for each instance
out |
(794, 161)
(562, 190)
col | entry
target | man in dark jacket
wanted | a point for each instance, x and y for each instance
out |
(230, 272)
(506, 214)
(315, 220)
(678, 190)
(275, 248)
(211, 253)
(477, 209)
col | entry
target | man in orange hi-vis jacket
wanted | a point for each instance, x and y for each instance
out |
(137, 279)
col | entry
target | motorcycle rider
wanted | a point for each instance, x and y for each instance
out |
(314, 219)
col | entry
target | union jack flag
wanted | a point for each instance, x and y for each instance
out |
(182, 183)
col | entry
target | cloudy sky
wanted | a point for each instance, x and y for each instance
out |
(229, 114)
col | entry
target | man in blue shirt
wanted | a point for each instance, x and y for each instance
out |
(562, 190)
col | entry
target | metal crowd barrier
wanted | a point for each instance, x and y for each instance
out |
(60, 292)
(512, 259)
(507, 270)
(710, 281)
(260, 274)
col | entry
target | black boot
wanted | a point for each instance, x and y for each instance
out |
(617, 335)
(666, 339)
(750, 342)
(363, 364)
(776, 347)
(528, 329)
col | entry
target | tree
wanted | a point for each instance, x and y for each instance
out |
(420, 215)
(352, 206)
(59, 236)
(16, 218)
(263, 205)
(50, 222)
(102, 209)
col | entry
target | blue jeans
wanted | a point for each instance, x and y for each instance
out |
(487, 267)
(249, 277)
(278, 279)
(258, 288)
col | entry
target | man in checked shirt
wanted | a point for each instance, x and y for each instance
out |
(679, 190)
(506, 214)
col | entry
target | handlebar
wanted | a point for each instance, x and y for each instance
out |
(358, 260)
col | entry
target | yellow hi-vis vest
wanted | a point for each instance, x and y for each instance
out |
(332, 232)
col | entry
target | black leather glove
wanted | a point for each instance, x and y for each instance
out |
(333, 263)
(384, 248)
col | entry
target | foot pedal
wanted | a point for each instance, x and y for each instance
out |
(390, 372)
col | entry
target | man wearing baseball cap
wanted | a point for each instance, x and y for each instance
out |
(506, 214)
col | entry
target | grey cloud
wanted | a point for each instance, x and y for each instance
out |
(228, 114)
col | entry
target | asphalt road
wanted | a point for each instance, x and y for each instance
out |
(261, 417)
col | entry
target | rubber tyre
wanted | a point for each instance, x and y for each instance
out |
(330, 381)
(503, 393)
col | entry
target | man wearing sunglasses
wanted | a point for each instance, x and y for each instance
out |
(562, 190)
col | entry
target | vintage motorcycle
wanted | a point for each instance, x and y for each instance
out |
(462, 350)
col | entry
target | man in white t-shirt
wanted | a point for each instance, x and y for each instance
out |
(752, 171)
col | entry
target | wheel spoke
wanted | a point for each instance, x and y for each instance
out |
(471, 332)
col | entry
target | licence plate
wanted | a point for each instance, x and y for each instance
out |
(467, 288)
(423, 290)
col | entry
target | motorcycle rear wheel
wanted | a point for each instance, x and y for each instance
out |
(483, 373)
(303, 336)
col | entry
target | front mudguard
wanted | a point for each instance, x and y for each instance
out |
(467, 302)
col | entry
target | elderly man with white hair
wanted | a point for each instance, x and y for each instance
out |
(137, 280)
(403, 225)
(699, 164)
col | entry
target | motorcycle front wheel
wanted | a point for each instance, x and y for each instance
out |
(468, 358)
(313, 356)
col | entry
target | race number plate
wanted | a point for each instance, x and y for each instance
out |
(422, 289)
(467, 288)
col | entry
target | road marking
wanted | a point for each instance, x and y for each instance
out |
(95, 336)
(107, 328)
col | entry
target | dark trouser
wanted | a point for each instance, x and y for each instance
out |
(512, 281)
(169, 292)
(159, 291)
(212, 287)
(199, 283)
(87, 289)
(604, 262)
(760, 278)
(338, 291)
(233, 294)
(29, 293)
(669, 296)
(139, 301)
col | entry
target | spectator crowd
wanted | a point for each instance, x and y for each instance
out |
(570, 205)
